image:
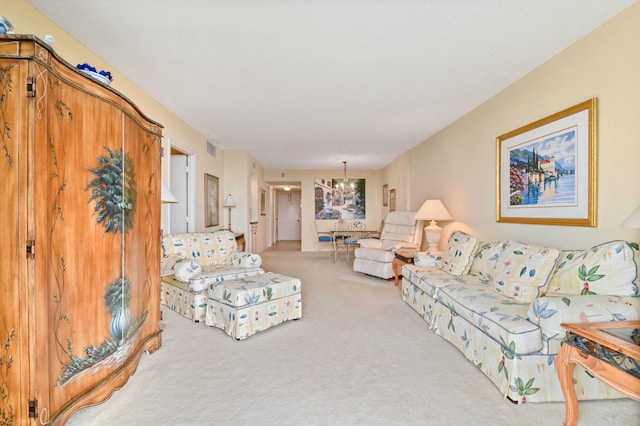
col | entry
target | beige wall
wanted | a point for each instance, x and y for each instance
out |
(458, 165)
(27, 20)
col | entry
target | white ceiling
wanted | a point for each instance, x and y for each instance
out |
(309, 84)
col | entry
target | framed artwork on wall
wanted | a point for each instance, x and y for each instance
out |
(547, 170)
(392, 200)
(211, 217)
(336, 199)
(263, 202)
(385, 194)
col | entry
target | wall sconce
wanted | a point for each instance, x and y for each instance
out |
(228, 203)
(287, 188)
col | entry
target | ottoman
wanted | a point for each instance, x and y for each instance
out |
(245, 306)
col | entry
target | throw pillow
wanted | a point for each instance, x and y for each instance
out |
(459, 255)
(608, 269)
(522, 271)
(485, 259)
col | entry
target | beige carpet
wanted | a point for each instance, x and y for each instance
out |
(359, 355)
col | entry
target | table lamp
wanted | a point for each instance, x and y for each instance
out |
(228, 203)
(433, 210)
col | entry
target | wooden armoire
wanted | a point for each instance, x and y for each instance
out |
(80, 237)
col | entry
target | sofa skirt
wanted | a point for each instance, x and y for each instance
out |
(189, 304)
(519, 377)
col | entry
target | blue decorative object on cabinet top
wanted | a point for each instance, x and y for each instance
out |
(5, 25)
(102, 75)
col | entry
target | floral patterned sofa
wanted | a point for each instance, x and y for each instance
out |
(193, 261)
(501, 304)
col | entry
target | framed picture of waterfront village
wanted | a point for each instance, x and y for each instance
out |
(547, 170)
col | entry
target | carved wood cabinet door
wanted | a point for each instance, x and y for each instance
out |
(79, 297)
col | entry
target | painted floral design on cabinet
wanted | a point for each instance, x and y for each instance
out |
(112, 194)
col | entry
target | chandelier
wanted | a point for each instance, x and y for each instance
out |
(344, 187)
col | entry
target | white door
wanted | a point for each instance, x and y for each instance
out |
(179, 186)
(288, 206)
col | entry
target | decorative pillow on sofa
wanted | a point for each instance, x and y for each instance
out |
(485, 259)
(185, 269)
(608, 269)
(522, 271)
(245, 260)
(459, 255)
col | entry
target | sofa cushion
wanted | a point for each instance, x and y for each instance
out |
(430, 279)
(459, 255)
(498, 316)
(213, 248)
(606, 269)
(216, 273)
(522, 271)
(254, 290)
(485, 259)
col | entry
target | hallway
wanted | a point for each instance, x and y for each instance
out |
(286, 245)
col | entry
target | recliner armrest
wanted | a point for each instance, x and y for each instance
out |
(370, 243)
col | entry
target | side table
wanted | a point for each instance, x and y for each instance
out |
(608, 350)
(402, 257)
(240, 240)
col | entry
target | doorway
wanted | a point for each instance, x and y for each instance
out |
(288, 215)
(180, 186)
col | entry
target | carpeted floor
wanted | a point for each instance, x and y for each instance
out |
(358, 356)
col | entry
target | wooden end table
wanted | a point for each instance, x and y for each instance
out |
(608, 350)
(402, 257)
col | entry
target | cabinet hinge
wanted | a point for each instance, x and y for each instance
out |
(162, 151)
(33, 408)
(31, 249)
(31, 87)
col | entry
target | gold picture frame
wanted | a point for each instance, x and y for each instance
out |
(385, 195)
(263, 202)
(392, 200)
(547, 170)
(211, 197)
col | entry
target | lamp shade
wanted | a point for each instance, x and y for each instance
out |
(433, 210)
(229, 202)
(633, 221)
(166, 197)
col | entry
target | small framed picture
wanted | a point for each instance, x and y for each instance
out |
(211, 200)
(263, 202)
(385, 194)
(392, 200)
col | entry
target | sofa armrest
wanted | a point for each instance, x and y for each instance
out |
(370, 243)
(423, 258)
(167, 263)
(186, 268)
(550, 311)
(245, 259)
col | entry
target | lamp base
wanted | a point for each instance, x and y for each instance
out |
(432, 233)
(230, 220)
